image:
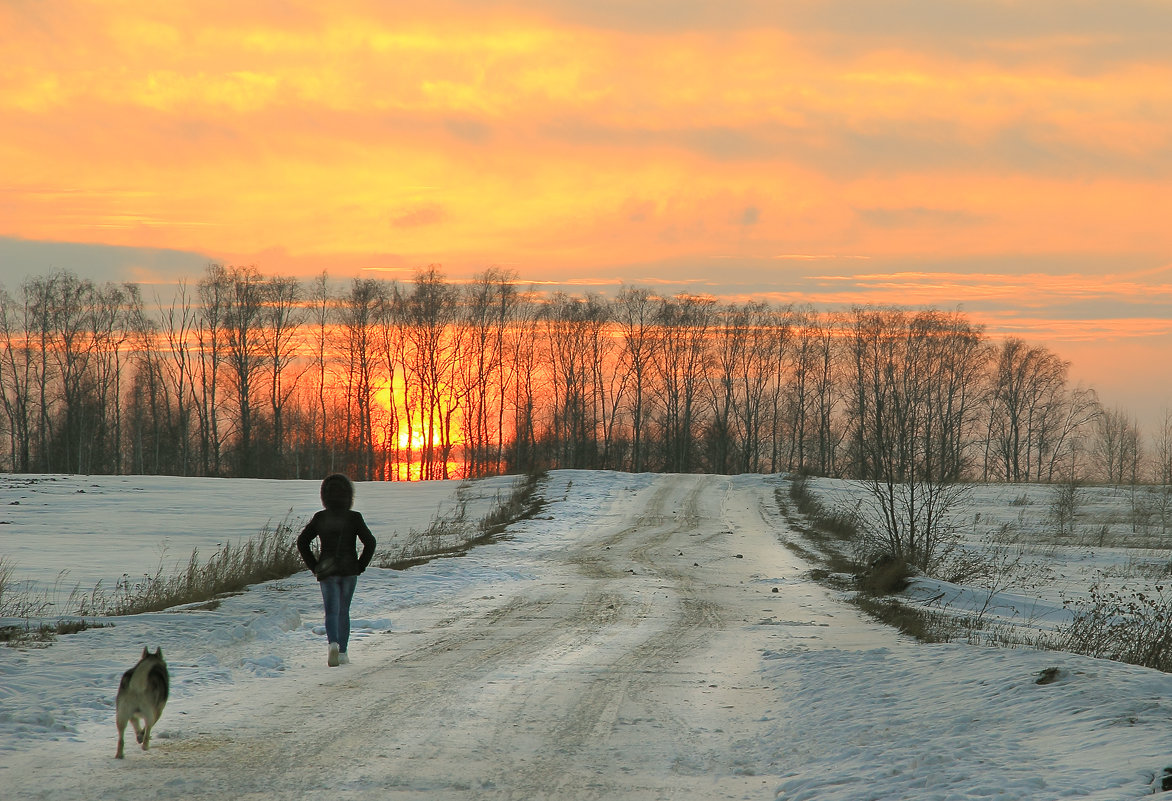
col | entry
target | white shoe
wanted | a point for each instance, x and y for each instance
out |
(343, 659)
(332, 659)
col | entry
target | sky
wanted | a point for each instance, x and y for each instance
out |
(1011, 159)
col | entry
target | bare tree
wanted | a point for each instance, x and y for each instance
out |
(608, 385)
(243, 328)
(180, 320)
(766, 335)
(359, 312)
(681, 359)
(729, 334)
(150, 407)
(529, 385)
(567, 337)
(794, 409)
(808, 395)
(89, 381)
(906, 461)
(1032, 414)
(111, 310)
(69, 348)
(1116, 447)
(635, 312)
(17, 377)
(321, 304)
(485, 371)
(431, 313)
(211, 342)
(283, 315)
(1062, 438)
(1162, 472)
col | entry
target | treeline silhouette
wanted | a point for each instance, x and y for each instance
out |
(247, 375)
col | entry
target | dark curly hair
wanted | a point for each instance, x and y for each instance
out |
(337, 492)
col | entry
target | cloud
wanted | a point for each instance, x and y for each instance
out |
(421, 215)
(22, 258)
(919, 217)
(469, 130)
(750, 215)
(1087, 34)
(577, 136)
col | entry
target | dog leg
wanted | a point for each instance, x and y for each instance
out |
(146, 731)
(121, 734)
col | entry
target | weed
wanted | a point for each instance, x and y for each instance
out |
(45, 632)
(923, 624)
(271, 554)
(453, 534)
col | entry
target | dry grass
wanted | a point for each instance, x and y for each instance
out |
(270, 554)
(30, 632)
(19, 599)
(1133, 626)
(453, 534)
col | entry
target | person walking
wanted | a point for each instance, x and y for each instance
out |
(337, 564)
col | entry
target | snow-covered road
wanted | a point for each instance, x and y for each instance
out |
(657, 640)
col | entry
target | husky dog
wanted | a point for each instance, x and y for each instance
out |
(142, 694)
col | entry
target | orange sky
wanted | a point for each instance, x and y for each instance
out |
(1012, 158)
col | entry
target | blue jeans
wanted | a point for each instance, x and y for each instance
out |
(336, 594)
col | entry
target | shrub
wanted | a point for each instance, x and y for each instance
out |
(1064, 506)
(1022, 499)
(1124, 625)
(886, 575)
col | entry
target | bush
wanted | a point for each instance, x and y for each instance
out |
(886, 575)
(1124, 625)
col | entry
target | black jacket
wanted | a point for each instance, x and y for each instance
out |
(339, 531)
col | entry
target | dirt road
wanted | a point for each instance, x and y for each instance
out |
(629, 670)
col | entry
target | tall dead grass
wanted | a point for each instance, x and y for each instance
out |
(453, 533)
(269, 554)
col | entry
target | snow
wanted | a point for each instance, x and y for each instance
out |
(645, 636)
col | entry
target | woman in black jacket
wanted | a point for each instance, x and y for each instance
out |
(337, 563)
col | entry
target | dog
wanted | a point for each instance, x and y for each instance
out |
(142, 694)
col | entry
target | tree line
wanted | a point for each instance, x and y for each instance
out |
(241, 374)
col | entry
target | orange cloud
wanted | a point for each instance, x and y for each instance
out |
(567, 139)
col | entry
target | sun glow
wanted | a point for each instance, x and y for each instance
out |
(410, 448)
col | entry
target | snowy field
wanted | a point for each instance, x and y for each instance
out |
(644, 637)
(1040, 570)
(61, 532)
